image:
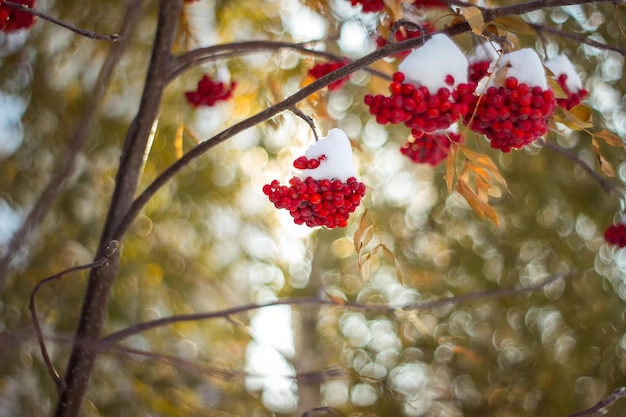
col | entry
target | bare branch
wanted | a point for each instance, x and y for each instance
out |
(113, 247)
(577, 38)
(482, 295)
(601, 407)
(198, 56)
(607, 185)
(87, 33)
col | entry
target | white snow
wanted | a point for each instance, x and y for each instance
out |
(562, 65)
(338, 162)
(485, 51)
(524, 64)
(429, 65)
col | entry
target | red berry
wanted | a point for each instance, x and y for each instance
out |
(616, 235)
(209, 92)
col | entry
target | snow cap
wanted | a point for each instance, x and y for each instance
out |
(338, 162)
(561, 64)
(430, 64)
(524, 64)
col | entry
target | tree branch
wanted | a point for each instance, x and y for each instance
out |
(113, 247)
(481, 295)
(601, 406)
(577, 38)
(606, 185)
(87, 33)
(93, 313)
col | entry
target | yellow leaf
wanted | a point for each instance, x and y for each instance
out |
(605, 166)
(515, 24)
(572, 120)
(481, 208)
(554, 86)
(610, 138)
(581, 112)
(474, 17)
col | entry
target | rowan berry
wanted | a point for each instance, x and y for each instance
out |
(209, 92)
(12, 20)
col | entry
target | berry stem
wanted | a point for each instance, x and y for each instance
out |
(308, 119)
(86, 33)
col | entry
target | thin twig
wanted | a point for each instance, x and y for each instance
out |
(481, 295)
(601, 406)
(59, 382)
(87, 33)
(607, 185)
(308, 119)
(198, 56)
(328, 410)
(577, 38)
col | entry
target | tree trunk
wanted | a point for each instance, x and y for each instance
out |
(93, 314)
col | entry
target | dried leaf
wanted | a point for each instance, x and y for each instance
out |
(610, 138)
(605, 166)
(515, 24)
(392, 258)
(367, 235)
(450, 165)
(480, 207)
(474, 17)
(356, 239)
(366, 267)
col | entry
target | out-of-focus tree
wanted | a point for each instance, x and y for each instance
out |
(473, 277)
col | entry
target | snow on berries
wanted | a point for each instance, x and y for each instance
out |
(209, 92)
(321, 69)
(515, 103)
(567, 77)
(326, 190)
(12, 20)
(429, 148)
(424, 91)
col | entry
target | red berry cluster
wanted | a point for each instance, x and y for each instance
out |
(370, 6)
(321, 69)
(209, 92)
(12, 19)
(616, 235)
(573, 97)
(514, 115)
(477, 70)
(317, 202)
(417, 108)
(429, 148)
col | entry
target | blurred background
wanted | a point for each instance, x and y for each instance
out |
(210, 239)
